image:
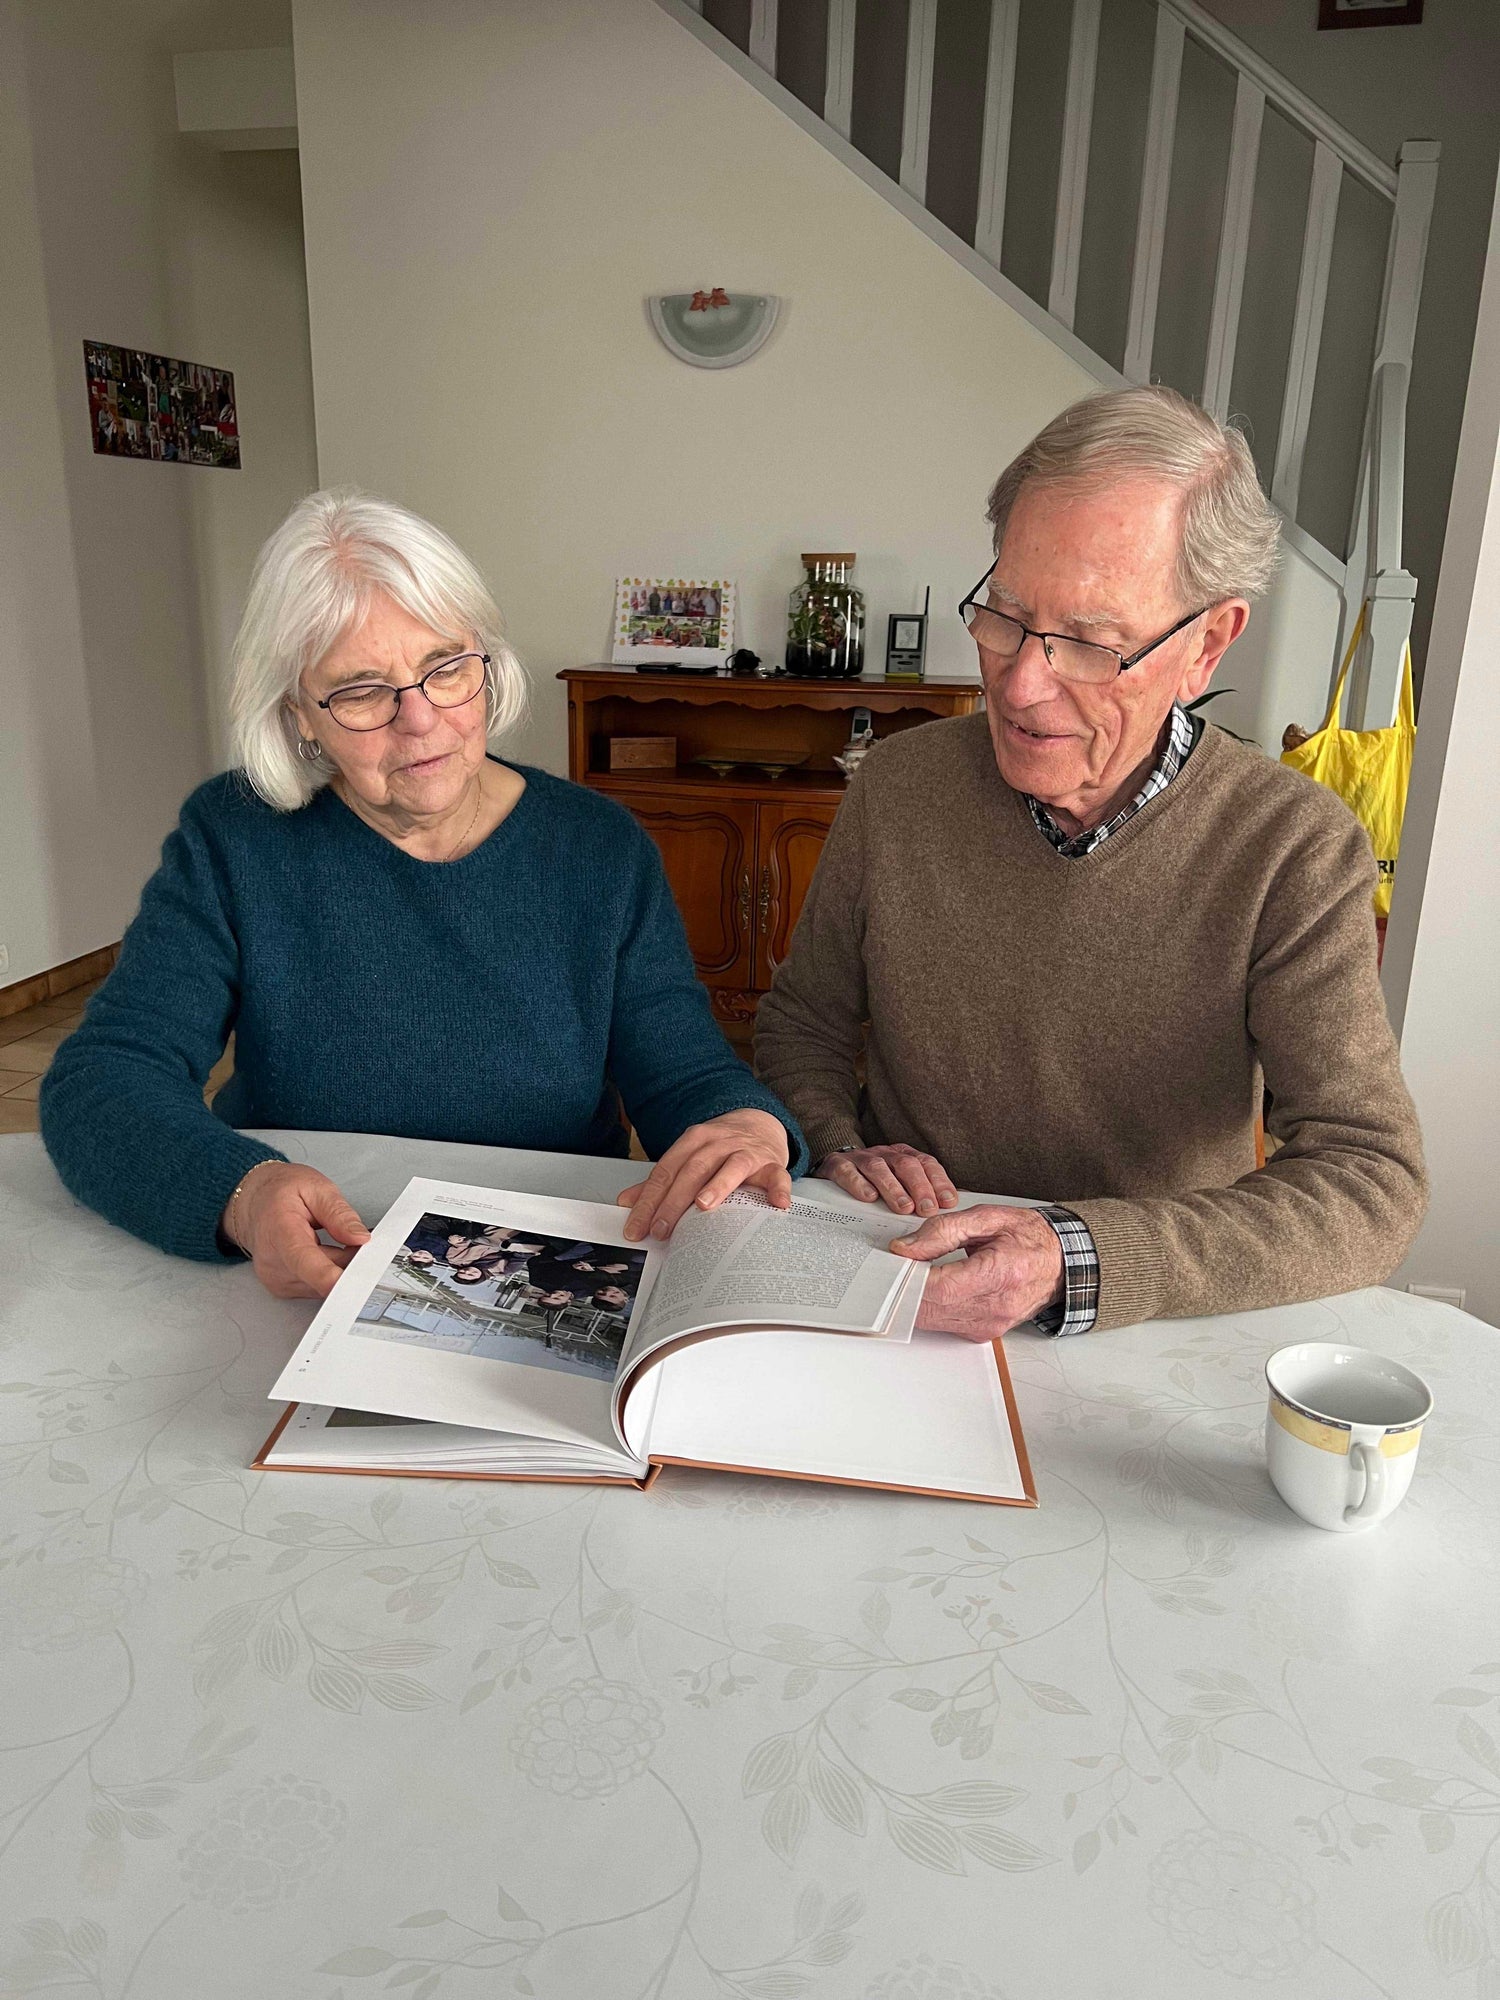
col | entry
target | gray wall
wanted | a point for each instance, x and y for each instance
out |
(120, 579)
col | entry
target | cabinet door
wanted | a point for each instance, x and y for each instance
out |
(707, 852)
(788, 842)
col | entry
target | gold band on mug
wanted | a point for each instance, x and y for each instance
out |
(1335, 1437)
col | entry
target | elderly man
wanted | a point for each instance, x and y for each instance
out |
(1076, 934)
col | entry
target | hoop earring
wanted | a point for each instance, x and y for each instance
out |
(309, 749)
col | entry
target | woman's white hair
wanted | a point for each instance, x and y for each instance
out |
(1230, 530)
(314, 581)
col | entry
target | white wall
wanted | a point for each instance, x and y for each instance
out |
(43, 695)
(1279, 670)
(1442, 964)
(490, 194)
(239, 293)
(119, 575)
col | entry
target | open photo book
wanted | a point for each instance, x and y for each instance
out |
(487, 1334)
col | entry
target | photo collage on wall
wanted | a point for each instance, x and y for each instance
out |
(150, 406)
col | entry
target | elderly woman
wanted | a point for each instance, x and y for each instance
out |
(370, 894)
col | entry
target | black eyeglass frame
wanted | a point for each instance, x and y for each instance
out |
(406, 688)
(1124, 663)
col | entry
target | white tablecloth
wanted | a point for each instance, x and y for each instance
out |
(275, 1736)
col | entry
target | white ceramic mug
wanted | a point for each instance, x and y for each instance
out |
(1342, 1432)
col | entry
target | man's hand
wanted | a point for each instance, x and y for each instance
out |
(276, 1220)
(1014, 1267)
(709, 1161)
(900, 1176)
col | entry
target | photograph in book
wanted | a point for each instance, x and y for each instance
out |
(506, 1294)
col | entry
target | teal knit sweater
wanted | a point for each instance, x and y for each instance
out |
(517, 997)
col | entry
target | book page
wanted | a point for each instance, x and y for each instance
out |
(928, 1414)
(481, 1308)
(746, 1262)
(314, 1438)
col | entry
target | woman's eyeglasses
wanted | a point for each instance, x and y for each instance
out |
(376, 704)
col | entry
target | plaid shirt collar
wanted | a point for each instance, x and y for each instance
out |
(1174, 754)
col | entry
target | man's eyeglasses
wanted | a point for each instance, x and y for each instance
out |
(1070, 659)
(375, 704)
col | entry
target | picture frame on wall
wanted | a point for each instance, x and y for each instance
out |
(1369, 13)
(155, 406)
(673, 621)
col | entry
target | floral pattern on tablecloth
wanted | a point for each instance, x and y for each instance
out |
(737, 1739)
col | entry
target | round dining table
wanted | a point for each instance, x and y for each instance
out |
(276, 1736)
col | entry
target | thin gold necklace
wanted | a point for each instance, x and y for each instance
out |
(473, 816)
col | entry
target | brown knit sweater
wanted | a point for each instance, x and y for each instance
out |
(1096, 1031)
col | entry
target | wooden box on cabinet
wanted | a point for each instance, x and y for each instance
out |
(739, 850)
(643, 753)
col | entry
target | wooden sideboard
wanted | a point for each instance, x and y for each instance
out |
(739, 849)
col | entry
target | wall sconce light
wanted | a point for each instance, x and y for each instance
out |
(713, 329)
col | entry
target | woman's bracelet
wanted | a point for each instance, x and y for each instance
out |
(230, 1207)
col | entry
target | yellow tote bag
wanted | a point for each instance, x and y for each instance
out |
(1368, 768)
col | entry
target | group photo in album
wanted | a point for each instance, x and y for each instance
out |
(463, 1287)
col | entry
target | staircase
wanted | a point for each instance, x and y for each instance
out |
(1228, 160)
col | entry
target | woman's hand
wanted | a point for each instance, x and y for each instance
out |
(709, 1161)
(1013, 1266)
(900, 1176)
(275, 1221)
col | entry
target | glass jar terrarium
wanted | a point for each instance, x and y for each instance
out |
(825, 638)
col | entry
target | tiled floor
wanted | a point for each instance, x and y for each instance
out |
(28, 1043)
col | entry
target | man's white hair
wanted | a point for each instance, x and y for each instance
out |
(1230, 530)
(314, 581)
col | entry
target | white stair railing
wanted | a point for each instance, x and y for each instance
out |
(762, 45)
(1156, 183)
(1307, 327)
(994, 144)
(1377, 577)
(1370, 572)
(916, 114)
(838, 97)
(1234, 244)
(1073, 161)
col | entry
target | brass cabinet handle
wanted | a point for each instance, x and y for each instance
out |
(764, 901)
(744, 900)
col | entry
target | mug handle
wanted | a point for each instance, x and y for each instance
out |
(1373, 1465)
